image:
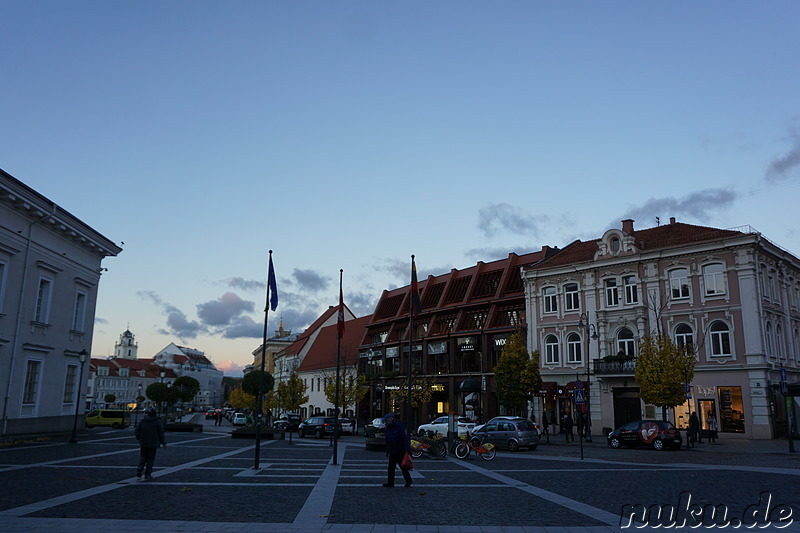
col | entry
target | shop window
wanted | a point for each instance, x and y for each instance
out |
(551, 350)
(720, 339)
(731, 412)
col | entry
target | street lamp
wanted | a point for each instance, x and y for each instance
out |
(82, 358)
(163, 373)
(138, 395)
(591, 332)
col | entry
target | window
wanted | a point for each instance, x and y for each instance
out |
(79, 313)
(550, 300)
(631, 290)
(768, 336)
(679, 283)
(714, 279)
(551, 350)
(612, 296)
(2, 283)
(720, 339)
(571, 297)
(42, 313)
(615, 246)
(684, 336)
(779, 341)
(69, 384)
(773, 291)
(574, 354)
(31, 382)
(626, 344)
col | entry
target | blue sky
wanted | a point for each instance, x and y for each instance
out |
(351, 135)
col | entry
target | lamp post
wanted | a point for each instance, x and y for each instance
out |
(162, 373)
(82, 358)
(591, 331)
(138, 395)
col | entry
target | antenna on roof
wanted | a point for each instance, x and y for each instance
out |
(658, 221)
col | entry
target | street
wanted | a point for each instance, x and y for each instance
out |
(206, 482)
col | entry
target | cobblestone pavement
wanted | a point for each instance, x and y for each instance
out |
(207, 482)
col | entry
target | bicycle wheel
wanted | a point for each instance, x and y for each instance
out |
(440, 449)
(488, 455)
(417, 453)
(462, 450)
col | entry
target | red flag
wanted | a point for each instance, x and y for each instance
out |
(416, 306)
(340, 323)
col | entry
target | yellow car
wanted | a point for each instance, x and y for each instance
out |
(115, 418)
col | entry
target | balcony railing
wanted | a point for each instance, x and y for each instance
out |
(620, 368)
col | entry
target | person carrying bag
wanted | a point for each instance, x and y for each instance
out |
(397, 448)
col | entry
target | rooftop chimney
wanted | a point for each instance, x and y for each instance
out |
(672, 220)
(627, 226)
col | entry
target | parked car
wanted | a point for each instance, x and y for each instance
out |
(289, 422)
(348, 425)
(658, 434)
(510, 432)
(375, 434)
(116, 418)
(439, 425)
(319, 426)
(239, 419)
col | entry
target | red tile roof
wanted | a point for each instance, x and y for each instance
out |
(322, 354)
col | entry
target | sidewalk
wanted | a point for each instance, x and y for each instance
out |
(723, 445)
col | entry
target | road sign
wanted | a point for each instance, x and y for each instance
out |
(688, 392)
(579, 397)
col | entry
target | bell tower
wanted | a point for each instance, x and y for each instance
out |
(125, 347)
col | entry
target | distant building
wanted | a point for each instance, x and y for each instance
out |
(126, 380)
(281, 340)
(50, 265)
(191, 362)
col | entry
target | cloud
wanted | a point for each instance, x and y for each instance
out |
(246, 284)
(244, 327)
(229, 368)
(495, 218)
(178, 324)
(223, 310)
(782, 167)
(491, 254)
(310, 280)
(700, 205)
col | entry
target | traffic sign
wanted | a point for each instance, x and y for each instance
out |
(580, 398)
(688, 392)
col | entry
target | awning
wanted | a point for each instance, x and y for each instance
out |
(548, 388)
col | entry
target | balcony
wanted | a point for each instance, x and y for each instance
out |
(614, 367)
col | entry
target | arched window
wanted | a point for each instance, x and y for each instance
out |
(684, 336)
(779, 341)
(551, 350)
(720, 339)
(574, 354)
(626, 343)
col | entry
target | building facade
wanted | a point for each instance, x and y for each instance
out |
(50, 265)
(731, 294)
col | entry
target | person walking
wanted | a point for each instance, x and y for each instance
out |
(546, 426)
(397, 444)
(567, 426)
(711, 420)
(150, 434)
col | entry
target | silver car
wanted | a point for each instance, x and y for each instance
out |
(511, 432)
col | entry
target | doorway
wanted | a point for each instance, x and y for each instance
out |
(627, 406)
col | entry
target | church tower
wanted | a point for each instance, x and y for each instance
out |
(126, 348)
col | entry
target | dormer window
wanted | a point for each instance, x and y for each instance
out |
(615, 245)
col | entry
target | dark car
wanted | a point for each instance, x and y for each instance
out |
(658, 434)
(319, 426)
(511, 432)
(375, 434)
(288, 422)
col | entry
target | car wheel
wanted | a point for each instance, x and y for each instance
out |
(513, 445)
(115, 425)
(532, 447)
(319, 433)
(658, 444)
(614, 442)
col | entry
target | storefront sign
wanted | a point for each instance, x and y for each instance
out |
(437, 348)
(499, 342)
(701, 390)
(466, 344)
(392, 352)
(370, 354)
(417, 348)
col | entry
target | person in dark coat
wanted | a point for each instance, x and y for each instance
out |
(694, 428)
(150, 434)
(397, 444)
(567, 427)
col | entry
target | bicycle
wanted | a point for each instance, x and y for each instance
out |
(434, 445)
(468, 444)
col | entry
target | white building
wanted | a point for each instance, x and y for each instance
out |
(50, 264)
(191, 362)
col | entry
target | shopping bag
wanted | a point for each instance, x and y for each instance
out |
(407, 463)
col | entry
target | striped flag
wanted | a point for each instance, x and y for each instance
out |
(416, 307)
(273, 285)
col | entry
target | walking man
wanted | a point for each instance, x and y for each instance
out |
(397, 444)
(567, 426)
(150, 434)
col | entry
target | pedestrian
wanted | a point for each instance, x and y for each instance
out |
(694, 428)
(150, 434)
(217, 418)
(711, 420)
(397, 444)
(545, 424)
(567, 427)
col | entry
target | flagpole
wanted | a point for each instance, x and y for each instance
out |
(340, 331)
(259, 399)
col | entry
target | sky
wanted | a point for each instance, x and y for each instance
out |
(352, 134)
